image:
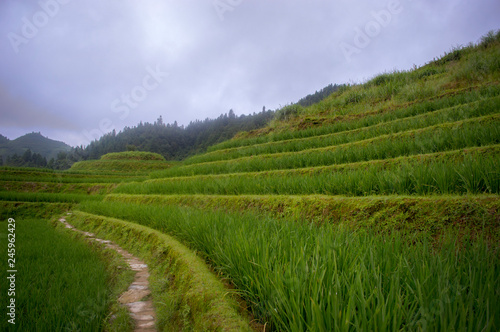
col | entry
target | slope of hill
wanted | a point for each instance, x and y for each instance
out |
(35, 142)
(376, 208)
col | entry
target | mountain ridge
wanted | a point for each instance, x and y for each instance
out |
(36, 142)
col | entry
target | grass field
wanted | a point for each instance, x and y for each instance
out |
(62, 284)
(304, 277)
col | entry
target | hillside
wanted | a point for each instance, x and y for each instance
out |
(407, 157)
(374, 209)
(35, 142)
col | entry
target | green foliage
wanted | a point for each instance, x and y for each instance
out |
(375, 208)
(479, 66)
(119, 167)
(126, 163)
(47, 197)
(61, 284)
(288, 112)
(319, 95)
(172, 141)
(429, 118)
(133, 155)
(437, 173)
(58, 188)
(36, 143)
(186, 294)
(490, 38)
(431, 216)
(46, 175)
(371, 117)
(445, 137)
(300, 277)
(32, 210)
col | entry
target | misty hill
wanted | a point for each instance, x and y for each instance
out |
(35, 142)
(172, 141)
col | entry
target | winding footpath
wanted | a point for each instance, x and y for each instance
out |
(142, 312)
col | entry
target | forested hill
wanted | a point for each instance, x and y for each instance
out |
(35, 143)
(171, 140)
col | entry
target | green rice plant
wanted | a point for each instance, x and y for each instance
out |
(450, 136)
(299, 276)
(54, 187)
(120, 167)
(187, 295)
(31, 175)
(133, 155)
(421, 216)
(47, 197)
(26, 169)
(437, 173)
(372, 116)
(61, 284)
(480, 65)
(451, 114)
(32, 210)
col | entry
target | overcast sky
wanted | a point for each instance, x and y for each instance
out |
(75, 69)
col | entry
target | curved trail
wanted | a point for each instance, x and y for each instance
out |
(142, 312)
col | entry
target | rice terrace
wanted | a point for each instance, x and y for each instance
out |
(375, 208)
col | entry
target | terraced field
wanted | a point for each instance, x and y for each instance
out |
(375, 209)
(37, 199)
(62, 282)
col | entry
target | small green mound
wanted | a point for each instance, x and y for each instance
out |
(133, 155)
(132, 162)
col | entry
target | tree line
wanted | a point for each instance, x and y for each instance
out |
(172, 141)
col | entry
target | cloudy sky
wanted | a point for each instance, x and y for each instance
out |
(75, 69)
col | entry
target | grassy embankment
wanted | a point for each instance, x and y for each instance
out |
(405, 232)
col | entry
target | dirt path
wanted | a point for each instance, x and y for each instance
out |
(142, 312)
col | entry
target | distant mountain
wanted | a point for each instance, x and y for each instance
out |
(3, 140)
(35, 142)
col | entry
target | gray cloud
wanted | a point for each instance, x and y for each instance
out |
(65, 78)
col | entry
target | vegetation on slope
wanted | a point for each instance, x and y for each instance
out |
(427, 137)
(302, 277)
(123, 163)
(187, 296)
(63, 284)
(424, 117)
(469, 171)
(459, 73)
(35, 143)
(403, 237)
(133, 155)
